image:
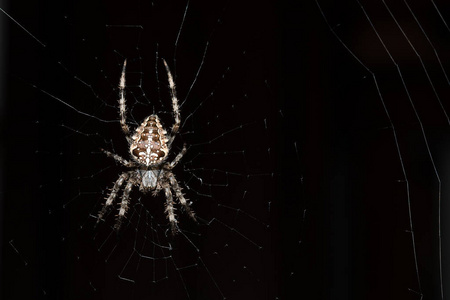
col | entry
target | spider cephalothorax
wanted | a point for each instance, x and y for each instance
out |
(149, 148)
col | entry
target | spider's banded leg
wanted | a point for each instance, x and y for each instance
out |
(112, 196)
(170, 211)
(177, 158)
(124, 205)
(119, 159)
(180, 196)
(122, 105)
(176, 109)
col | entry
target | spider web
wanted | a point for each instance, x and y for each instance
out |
(317, 132)
(389, 90)
(65, 68)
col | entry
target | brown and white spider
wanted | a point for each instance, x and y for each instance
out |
(149, 148)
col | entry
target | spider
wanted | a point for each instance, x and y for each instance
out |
(149, 169)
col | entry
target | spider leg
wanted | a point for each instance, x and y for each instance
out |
(124, 205)
(177, 189)
(112, 196)
(176, 109)
(170, 211)
(177, 158)
(119, 159)
(122, 105)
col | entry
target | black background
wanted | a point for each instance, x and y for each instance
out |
(341, 204)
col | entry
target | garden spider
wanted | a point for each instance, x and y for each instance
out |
(149, 148)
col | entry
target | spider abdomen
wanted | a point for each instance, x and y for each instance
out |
(149, 142)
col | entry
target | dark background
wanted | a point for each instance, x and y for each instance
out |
(357, 139)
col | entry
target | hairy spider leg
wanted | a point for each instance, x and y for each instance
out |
(124, 205)
(119, 159)
(113, 195)
(177, 158)
(176, 109)
(170, 210)
(180, 196)
(122, 105)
